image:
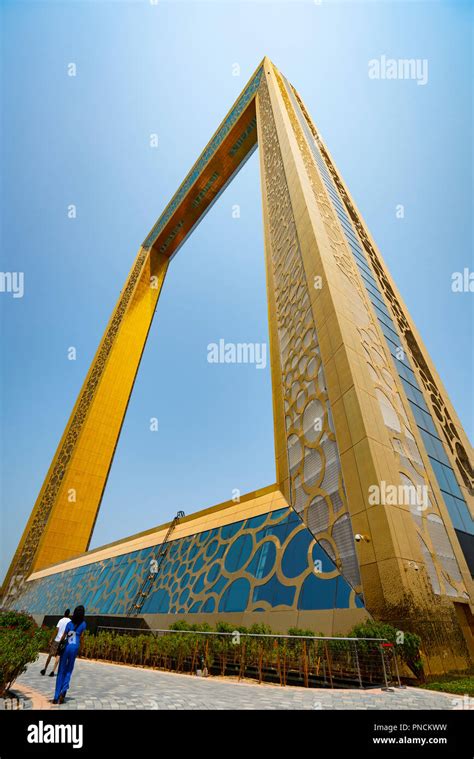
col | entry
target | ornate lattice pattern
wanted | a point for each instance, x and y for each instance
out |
(448, 427)
(204, 159)
(398, 426)
(316, 486)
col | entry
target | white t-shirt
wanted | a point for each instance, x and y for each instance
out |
(61, 627)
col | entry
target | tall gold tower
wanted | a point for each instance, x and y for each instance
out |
(369, 450)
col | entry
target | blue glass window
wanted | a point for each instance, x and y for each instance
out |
(96, 597)
(280, 531)
(198, 564)
(393, 345)
(235, 598)
(389, 333)
(454, 511)
(229, 530)
(199, 584)
(263, 561)
(404, 370)
(439, 470)
(295, 558)
(274, 593)
(382, 314)
(238, 553)
(219, 585)
(414, 395)
(452, 482)
(213, 573)
(256, 521)
(434, 447)
(158, 602)
(181, 545)
(211, 548)
(279, 513)
(209, 605)
(317, 593)
(327, 564)
(423, 419)
(343, 591)
(185, 579)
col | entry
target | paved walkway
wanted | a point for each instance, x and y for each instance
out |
(96, 685)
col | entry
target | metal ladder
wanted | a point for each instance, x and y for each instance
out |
(155, 566)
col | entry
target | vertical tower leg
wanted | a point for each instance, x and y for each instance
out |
(343, 423)
(61, 523)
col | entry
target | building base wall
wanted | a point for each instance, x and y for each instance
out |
(327, 622)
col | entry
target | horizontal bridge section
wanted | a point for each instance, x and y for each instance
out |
(262, 501)
(225, 154)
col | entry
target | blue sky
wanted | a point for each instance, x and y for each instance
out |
(167, 69)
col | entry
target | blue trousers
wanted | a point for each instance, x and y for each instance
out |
(66, 666)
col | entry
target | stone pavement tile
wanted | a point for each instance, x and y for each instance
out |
(96, 685)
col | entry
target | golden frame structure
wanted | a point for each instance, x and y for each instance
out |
(342, 418)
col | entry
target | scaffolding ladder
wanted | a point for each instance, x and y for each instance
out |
(155, 566)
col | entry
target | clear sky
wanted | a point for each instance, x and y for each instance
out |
(167, 68)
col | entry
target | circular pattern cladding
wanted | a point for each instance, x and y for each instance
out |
(270, 561)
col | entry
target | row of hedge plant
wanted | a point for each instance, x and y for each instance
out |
(263, 658)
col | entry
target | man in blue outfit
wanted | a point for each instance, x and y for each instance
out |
(72, 635)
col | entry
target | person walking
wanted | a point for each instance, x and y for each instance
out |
(72, 635)
(54, 643)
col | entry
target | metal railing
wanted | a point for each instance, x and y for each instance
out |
(311, 661)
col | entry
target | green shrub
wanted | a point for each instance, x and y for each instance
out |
(260, 629)
(182, 625)
(408, 650)
(21, 640)
(225, 627)
(462, 686)
(300, 632)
